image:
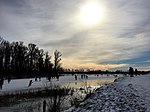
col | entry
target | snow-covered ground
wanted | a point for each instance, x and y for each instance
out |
(127, 94)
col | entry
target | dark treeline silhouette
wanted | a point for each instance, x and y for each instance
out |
(19, 61)
(101, 72)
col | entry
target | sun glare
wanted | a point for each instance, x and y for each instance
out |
(90, 13)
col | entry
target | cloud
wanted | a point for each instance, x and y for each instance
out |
(122, 35)
(148, 61)
(70, 63)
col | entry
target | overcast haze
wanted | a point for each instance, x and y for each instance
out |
(119, 40)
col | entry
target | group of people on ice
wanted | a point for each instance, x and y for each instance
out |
(48, 78)
(83, 76)
(52, 77)
(133, 72)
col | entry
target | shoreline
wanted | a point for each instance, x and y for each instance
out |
(123, 95)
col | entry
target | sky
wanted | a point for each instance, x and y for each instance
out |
(117, 39)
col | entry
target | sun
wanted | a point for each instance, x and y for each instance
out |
(90, 13)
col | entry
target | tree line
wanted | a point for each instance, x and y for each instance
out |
(19, 60)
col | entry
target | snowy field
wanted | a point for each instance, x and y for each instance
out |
(127, 94)
(22, 84)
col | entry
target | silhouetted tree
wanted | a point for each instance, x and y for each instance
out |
(21, 60)
(47, 64)
(18, 57)
(32, 55)
(7, 54)
(1, 54)
(40, 63)
(57, 64)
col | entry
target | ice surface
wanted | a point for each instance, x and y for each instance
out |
(22, 84)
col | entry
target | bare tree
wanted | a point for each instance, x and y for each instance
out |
(33, 50)
(1, 53)
(47, 64)
(57, 64)
(40, 63)
(21, 60)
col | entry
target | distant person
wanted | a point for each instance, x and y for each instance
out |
(131, 71)
(9, 79)
(57, 77)
(35, 79)
(76, 77)
(86, 76)
(30, 82)
(136, 72)
(1, 83)
(81, 76)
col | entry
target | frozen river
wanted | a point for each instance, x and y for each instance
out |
(93, 81)
(22, 84)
